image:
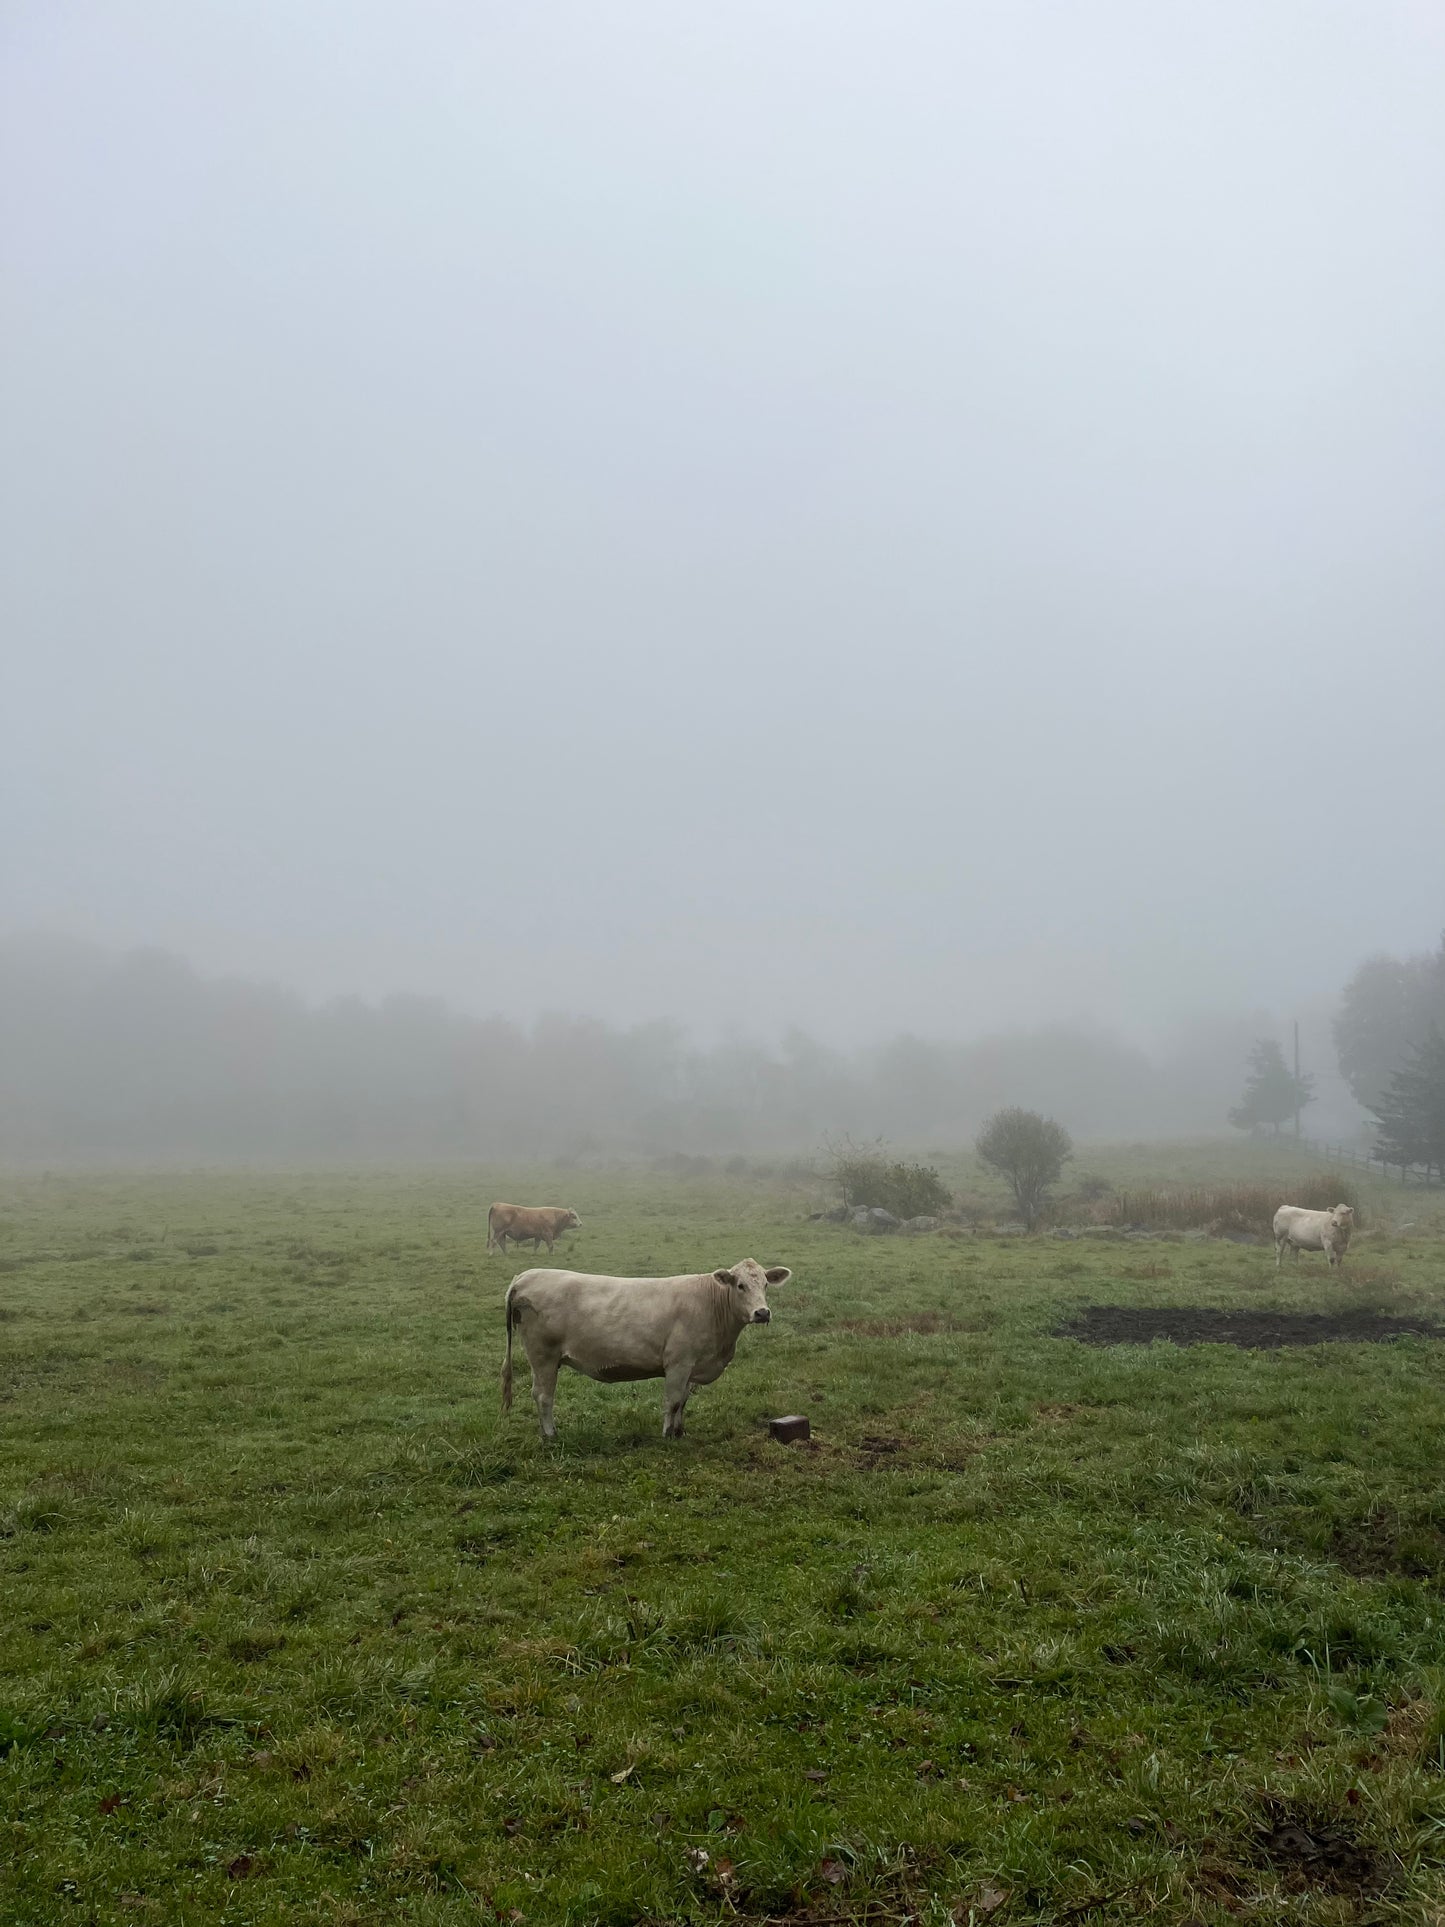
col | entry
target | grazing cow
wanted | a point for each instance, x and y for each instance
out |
(519, 1222)
(1298, 1230)
(683, 1330)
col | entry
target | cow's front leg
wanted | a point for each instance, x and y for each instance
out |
(678, 1384)
(544, 1391)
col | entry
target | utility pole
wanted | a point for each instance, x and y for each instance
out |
(1296, 1076)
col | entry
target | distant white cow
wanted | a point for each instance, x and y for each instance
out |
(1298, 1230)
(683, 1330)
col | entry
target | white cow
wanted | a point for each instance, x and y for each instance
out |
(683, 1330)
(1298, 1230)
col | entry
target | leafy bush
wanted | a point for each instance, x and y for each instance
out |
(866, 1175)
(1028, 1152)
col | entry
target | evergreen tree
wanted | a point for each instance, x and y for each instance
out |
(1272, 1093)
(1388, 1005)
(1411, 1111)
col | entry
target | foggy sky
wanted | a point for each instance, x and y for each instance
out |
(912, 516)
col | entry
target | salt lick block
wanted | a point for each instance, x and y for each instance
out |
(785, 1430)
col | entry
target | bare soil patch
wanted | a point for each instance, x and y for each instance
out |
(1307, 1851)
(1381, 1545)
(1248, 1330)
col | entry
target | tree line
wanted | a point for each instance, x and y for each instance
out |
(137, 1056)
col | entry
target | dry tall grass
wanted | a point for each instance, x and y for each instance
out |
(1228, 1207)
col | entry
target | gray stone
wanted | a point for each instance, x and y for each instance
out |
(916, 1226)
(874, 1218)
(1063, 1231)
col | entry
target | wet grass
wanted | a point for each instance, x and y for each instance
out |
(297, 1629)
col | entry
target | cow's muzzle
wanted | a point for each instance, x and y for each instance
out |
(761, 1315)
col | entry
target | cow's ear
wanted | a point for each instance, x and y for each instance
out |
(777, 1274)
(725, 1277)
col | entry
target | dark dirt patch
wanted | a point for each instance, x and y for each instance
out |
(1249, 1330)
(1309, 1850)
(875, 1451)
(1382, 1545)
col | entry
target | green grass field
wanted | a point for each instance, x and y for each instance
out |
(296, 1628)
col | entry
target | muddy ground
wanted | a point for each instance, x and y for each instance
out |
(1249, 1330)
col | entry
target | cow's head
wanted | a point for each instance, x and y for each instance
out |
(570, 1220)
(747, 1285)
(1344, 1216)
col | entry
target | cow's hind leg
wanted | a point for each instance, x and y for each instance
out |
(1279, 1245)
(678, 1384)
(544, 1392)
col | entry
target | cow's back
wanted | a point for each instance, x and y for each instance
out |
(589, 1312)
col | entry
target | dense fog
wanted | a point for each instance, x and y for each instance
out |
(907, 538)
(119, 1058)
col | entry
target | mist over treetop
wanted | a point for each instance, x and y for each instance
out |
(135, 1055)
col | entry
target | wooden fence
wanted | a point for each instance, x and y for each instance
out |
(1365, 1158)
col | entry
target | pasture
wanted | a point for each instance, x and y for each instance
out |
(296, 1628)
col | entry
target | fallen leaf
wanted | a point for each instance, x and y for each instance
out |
(698, 1859)
(1013, 1793)
(262, 1759)
(834, 1872)
(110, 1803)
(925, 1767)
(990, 1899)
(242, 1867)
(625, 1774)
(1352, 1794)
(723, 1870)
(813, 1774)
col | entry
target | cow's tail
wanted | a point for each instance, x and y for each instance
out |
(491, 1238)
(507, 1366)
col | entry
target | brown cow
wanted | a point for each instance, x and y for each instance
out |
(520, 1222)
